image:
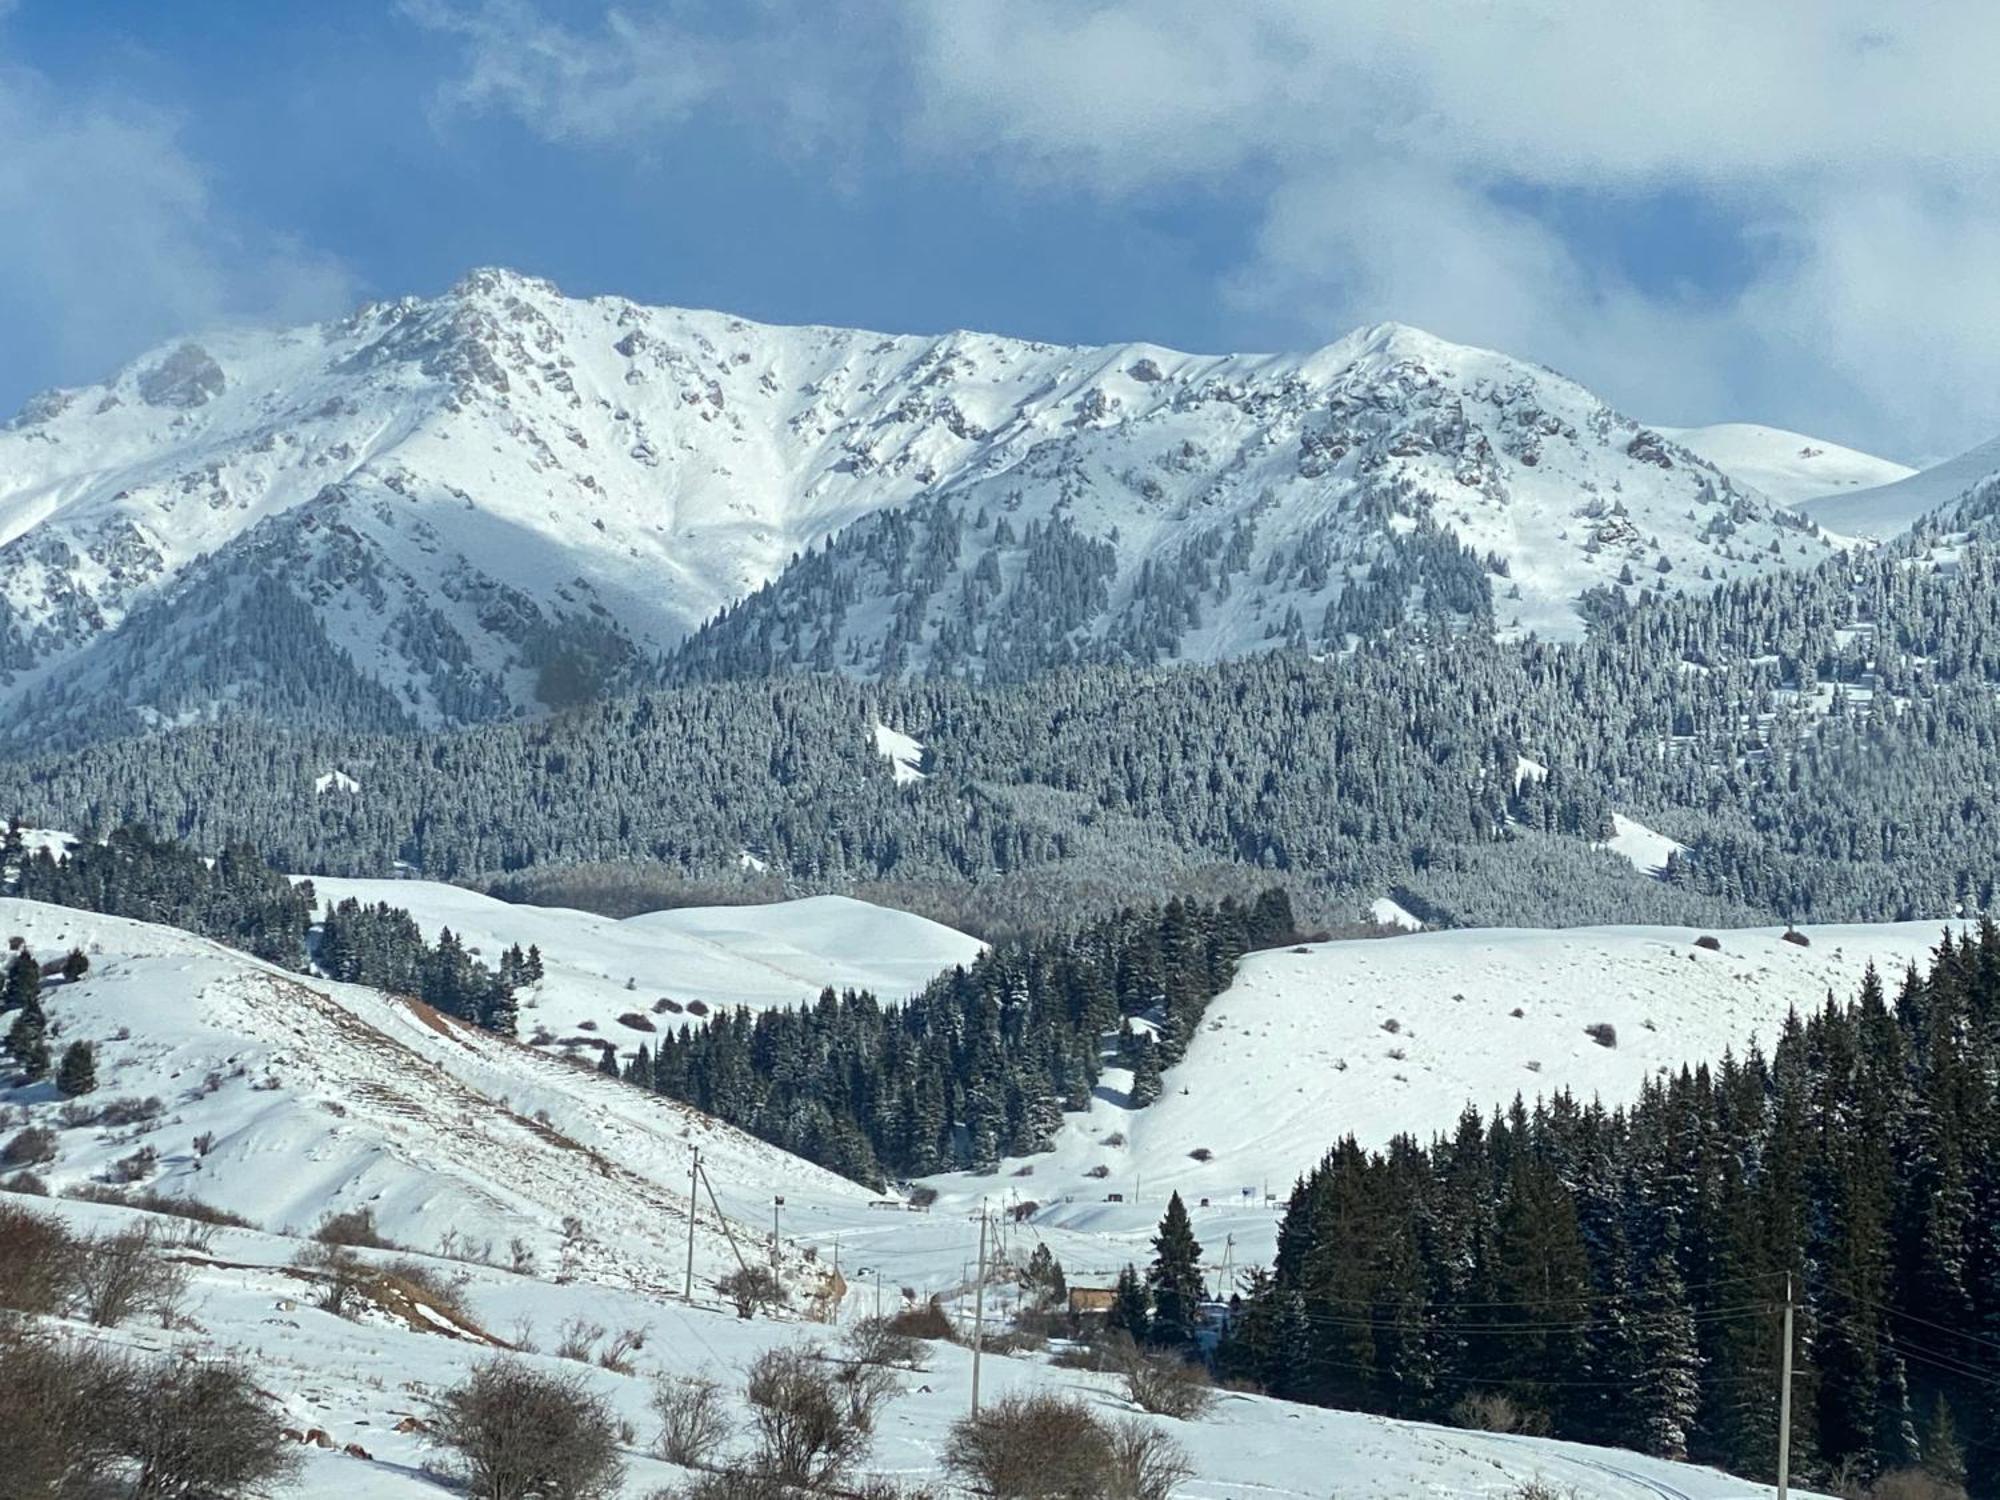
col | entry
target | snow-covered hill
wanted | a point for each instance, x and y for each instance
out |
(1789, 467)
(1970, 480)
(360, 1381)
(598, 969)
(282, 1099)
(1380, 1037)
(502, 498)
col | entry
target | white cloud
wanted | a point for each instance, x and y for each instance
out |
(637, 72)
(1380, 138)
(1380, 144)
(114, 239)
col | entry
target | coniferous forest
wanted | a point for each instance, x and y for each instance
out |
(983, 1063)
(1618, 1276)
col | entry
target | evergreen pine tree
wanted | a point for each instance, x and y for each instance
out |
(1175, 1279)
(1131, 1312)
(607, 1062)
(78, 1073)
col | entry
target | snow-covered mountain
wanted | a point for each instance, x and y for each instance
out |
(1789, 467)
(1968, 485)
(502, 498)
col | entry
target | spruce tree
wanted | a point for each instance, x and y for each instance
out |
(1131, 1312)
(1175, 1280)
(78, 1073)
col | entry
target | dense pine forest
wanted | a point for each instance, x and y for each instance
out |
(983, 1063)
(1618, 1276)
(1820, 742)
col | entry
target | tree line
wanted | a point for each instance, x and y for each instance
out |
(1618, 1276)
(985, 1060)
(239, 899)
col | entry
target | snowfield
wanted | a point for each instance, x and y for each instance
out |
(357, 1381)
(1788, 466)
(599, 968)
(1888, 510)
(1378, 1037)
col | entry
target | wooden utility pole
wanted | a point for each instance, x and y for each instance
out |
(1785, 1399)
(694, 1176)
(979, 1310)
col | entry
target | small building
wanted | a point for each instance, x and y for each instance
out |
(1091, 1301)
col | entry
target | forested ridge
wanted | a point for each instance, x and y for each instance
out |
(1825, 744)
(1618, 1275)
(981, 1064)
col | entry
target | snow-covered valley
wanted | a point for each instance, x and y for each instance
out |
(555, 1199)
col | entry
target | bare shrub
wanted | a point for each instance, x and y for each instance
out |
(1201, 1154)
(515, 1433)
(694, 1419)
(867, 1389)
(930, 1321)
(636, 1022)
(753, 1289)
(880, 1341)
(1911, 1484)
(173, 1204)
(1541, 1489)
(116, 1114)
(1496, 1411)
(1167, 1385)
(1712, 944)
(56, 1440)
(1603, 1033)
(134, 1168)
(806, 1431)
(354, 1227)
(616, 1356)
(25, 1183)
(1146, 1464)
(198, 1428)
(123, 1273)
(576, 1338)
(33, 1147)
(1099, 1171)
(923, 1195)
(38, 1257)
(1028, 1445)
(339, 1274)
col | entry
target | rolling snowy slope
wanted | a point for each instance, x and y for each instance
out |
(284, 1099)
(1379, 1037)
(598, 968)
(502, 499)
(1788, 466)
(1890, 509)
(357, 1381)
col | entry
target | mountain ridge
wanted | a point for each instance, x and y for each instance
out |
(502, 500)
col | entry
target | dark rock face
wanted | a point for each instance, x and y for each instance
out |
(187, 378)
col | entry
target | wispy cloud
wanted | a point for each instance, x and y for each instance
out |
(1856, 145)
(115, 239)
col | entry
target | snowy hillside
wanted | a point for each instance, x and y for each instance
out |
(1889, 509)
(598, 968)
(284, 1099)
(1378, 1037)
(359, 1381)
(1789, 467)
(501, 499)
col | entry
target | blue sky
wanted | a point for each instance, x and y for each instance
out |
(1681, 207)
